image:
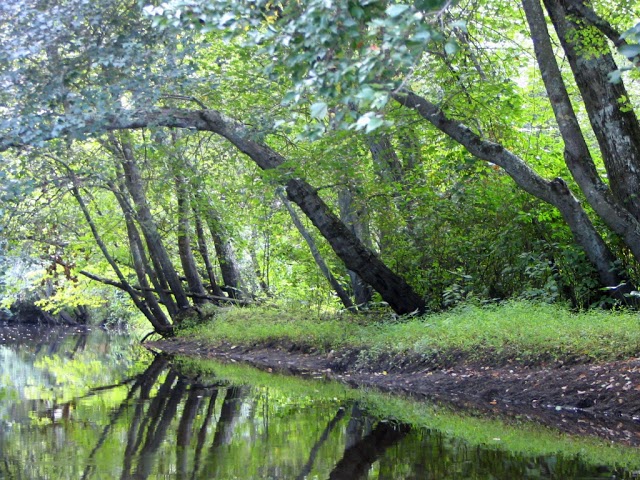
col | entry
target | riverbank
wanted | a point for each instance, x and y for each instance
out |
(577, 372)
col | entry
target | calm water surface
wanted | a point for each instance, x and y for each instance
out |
(88, 405)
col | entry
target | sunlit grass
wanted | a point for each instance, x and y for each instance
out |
(515, 331)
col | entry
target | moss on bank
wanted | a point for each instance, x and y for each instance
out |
(520, 332)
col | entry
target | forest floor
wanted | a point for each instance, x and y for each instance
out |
(579, 397)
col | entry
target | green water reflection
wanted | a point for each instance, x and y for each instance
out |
(95, 406)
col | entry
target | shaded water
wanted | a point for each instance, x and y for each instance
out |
(92, 405)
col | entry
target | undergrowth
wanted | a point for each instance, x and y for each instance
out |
(520, 331)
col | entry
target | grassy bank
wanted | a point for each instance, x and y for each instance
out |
(521, 332)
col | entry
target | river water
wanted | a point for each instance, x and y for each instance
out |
(92, 405)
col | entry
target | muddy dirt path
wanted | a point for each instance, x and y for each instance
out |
(587, 399)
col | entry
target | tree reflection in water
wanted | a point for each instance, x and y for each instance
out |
(91, 409)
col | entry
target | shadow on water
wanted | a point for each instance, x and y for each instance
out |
(89, 405)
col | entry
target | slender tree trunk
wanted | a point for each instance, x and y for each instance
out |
(155, 274)
(577, 155)
(262, 283)
(322, 265)
(161, 325)
(353, 220)
(225, 252)
(140, 263)
(393, 288)
(204, 253)
(613, 121)
(384, 156)
(356, 256)
(555, 192)
(157, 251)
(203, 207)
(184, 242)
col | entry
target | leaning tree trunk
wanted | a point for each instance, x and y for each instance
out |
(353, 219)
(184, 242)
(613, 121)
(322, 265)
(161, 324)
(357, 257)
(139, 265)
(227, 260)
(159, 283)
(157, 251)
(393, 288)
(555, 192)
(577, 155)
(204, 253)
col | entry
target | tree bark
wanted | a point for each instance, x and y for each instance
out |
(229, 268)
(184, 241)
(616, 127)
(157, 251)
(161, 288)
(322, 265)
(204, 253)
(353, 220)
(393, 288)
(554, 192)
(161, 325)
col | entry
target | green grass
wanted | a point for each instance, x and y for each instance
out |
(516, 331)
(525, 438)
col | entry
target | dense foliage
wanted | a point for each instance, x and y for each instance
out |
(441, 152)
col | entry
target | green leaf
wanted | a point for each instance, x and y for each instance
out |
(396, 10)
(319, 110)
(451, 47)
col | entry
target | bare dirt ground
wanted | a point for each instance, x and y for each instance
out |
(587, 399)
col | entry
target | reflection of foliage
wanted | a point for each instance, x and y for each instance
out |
(206, 420)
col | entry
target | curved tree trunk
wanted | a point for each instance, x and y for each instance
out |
(157, 251)
(322, 265)
(161, 325)
(616, 127)
(357, 257)
(555, 192)
(184, 242)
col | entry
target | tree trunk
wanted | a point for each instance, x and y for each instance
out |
(184, 242)
(577, 155)
(221, 241)
(204, 253)
(614, 123)
(354, 221)
(158, 253)
(161, 325)
(342, 294)
(554, 192)
(226, 255)
(137, 254)
(393, 288)
(134, 237)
